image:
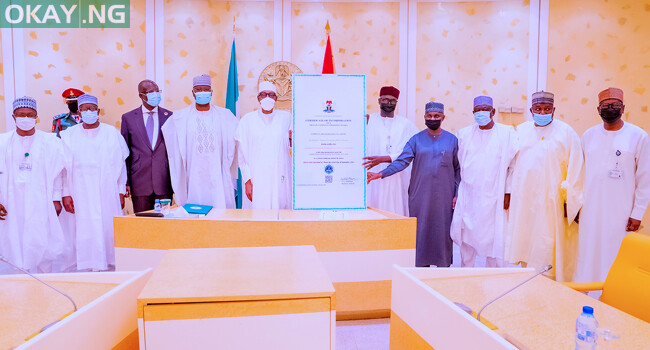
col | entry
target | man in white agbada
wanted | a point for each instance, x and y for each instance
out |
(546, 192)
(386, 136)
(95, 185)
(486, 151)
(617, 186)
(200, 142)
(264, 153)
(31, 164)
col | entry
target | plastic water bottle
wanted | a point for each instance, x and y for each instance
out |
(586, 326)
(156, 206)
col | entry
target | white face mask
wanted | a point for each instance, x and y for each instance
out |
(89, 117)
(25, 123)
(267, 103)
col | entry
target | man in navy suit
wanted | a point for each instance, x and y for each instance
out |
(147, 165)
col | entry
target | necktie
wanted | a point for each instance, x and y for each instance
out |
(149, 126)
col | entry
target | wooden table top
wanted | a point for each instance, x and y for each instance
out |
(26, 306)
(229, 274)
(541, 314)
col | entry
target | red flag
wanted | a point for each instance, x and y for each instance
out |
(328, 61)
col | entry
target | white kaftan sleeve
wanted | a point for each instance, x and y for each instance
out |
(66, 184)
(242, 151)
(121, 181)
(175, 155)
(513, 153)
(575, 177)
(58, 187)
(642, 177)
(123, 178)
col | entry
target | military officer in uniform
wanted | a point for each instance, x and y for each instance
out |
(72, 117)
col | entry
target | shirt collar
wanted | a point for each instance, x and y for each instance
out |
(264, 115)
(145, 110)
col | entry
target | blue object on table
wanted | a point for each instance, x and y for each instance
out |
(197, 209)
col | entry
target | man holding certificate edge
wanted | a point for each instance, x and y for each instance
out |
(433, 187)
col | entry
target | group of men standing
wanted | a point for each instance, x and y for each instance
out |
(58, 197)
(517, 196)
(510, 196)
(41, 176)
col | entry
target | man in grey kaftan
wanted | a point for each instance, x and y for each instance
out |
(433, 187)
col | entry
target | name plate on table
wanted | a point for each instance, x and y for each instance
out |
(331, 215)
(329, 141)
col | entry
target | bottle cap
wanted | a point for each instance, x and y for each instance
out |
(588, 310)
(157, 201)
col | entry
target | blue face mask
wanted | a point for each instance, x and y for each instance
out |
(154, 98)
(542, 119)
(203, 97)
(482, 118)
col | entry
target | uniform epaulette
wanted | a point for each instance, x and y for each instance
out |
(59, 116)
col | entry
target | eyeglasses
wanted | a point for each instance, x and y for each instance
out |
(388, 101)
(615, 105)
(91, 108)
(201, 89)
(267, 94)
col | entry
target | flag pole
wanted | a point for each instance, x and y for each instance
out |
(328, 60)
(232, 103)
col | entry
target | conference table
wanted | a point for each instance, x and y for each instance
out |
(238, 298)
(33, 316)
(357, 247)
(541, 314)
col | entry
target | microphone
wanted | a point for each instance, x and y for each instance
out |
(2, 258)
(478, 316)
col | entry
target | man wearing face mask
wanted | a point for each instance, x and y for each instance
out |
(95, 185)
(70, 118)
(486, 151)
(200, 141)
(546, 189)
(617, 186)
(386, 136)
(31, 166)
(433, 187)
(263, 152)
(147, 165)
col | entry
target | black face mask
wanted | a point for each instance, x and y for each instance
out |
(388, 108)
(433, 124)
(73, 106)
(610, 115)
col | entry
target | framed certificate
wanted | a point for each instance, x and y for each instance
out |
(329, 141)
